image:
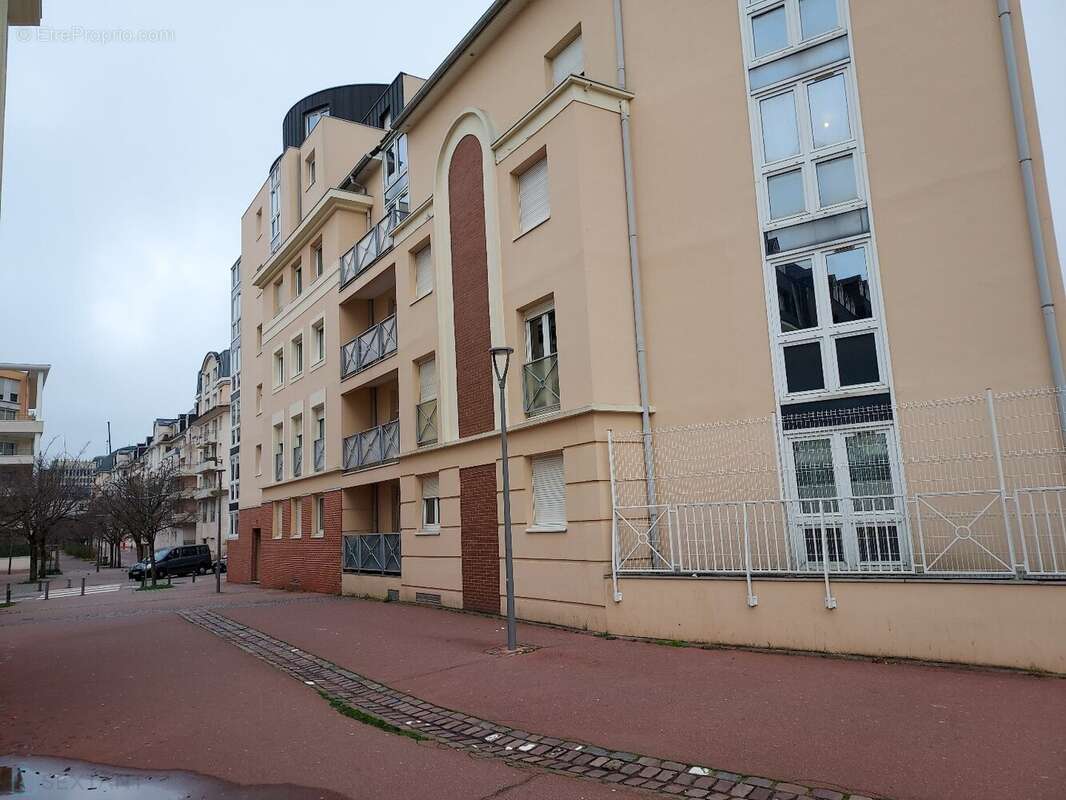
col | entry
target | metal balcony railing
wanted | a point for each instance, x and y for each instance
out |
(279, 466)
(373, 553)
(373, 446)
(297, 461)
(540, 385)
(320, 454)
(426, 430)
(376, 242)
(371, 346)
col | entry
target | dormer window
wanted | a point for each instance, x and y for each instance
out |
(312, 118)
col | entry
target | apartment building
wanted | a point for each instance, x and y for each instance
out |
(235, 399)
(757, 271)
(170, 446)
(21, 413)
(210, 438)
(13, 13)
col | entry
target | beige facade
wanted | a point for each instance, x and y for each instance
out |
(21, 413)
(209, 437)
(762, 129)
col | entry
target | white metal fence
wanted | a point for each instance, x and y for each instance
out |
(970, 486)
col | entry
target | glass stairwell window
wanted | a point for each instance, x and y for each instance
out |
(540, 374)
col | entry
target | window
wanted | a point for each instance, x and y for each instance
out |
(8, 448)
(568, 61)
(540, 374)
(316, 260)
(275, 209)
(258, 223)
(9, 390)
(259, 398)
(259, 459)
(313, 117)
(297, 279)
(423, 272)
(845, 484)
(309, 168)
(296, 517)
(278, 520)
(279, 368)
(318, 337)
(788, 25)
(259, 338)
(319, 439)
(297, 355)
(549, 493)
(808, 146)
(394, 172)
(426, 412)
(826, 325)
(279, 302)
(533, 196)
(318, 510)
(297, 445)
(430, 503)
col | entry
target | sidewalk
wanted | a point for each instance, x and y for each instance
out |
(903, 731)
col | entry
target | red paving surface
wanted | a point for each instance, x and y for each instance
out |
(119, 679)
(903, 731)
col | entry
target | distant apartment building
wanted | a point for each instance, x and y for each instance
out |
(758, 261)
(13, 13)
(235, 399)
(21, 413)
(210, 440)
(170, 447)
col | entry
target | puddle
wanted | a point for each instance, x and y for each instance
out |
(60, 779)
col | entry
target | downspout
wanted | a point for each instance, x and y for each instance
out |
(634, 269)
(1032, 210)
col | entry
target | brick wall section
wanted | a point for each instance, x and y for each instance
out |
(308, 563)
(479, 539)
(470, 289)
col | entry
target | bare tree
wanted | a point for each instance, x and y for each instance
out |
(141, 502)
(36, 500)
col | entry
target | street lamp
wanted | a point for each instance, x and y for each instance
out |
(501, 361)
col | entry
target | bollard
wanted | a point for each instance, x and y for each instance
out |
(168, 580)
(83, 587)
(7, 599)
(194, 577)
(68, 583)
(144, 577)
(47, 584)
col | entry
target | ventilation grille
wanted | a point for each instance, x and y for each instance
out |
(392, 595)
(427, 597)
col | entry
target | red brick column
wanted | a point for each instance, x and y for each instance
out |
(479, 539)
(470, 288)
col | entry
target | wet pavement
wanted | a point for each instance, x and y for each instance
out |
(64, 779)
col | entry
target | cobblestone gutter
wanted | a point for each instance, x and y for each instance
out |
(484, 739)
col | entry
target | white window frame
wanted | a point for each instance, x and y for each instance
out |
(424, 260)
(430, 503)
(318, 513)
(539, 524)
(318, 337)
(275, 207)
(846, 510)
(826, 332)
(313, 117)
(297, 348)
(809, 157)
(277, 528)
(310, 163)
(297, 280)
(317, 261)
(792, 26)
(296, 521)
(279, 368)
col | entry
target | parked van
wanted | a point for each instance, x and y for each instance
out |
(184, 560)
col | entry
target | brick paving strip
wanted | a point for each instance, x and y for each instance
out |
(485, 739)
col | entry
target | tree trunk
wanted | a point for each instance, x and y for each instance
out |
(33, 562)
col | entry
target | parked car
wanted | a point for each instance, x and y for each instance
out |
(184, 560)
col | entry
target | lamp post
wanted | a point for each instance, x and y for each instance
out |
(503, 354)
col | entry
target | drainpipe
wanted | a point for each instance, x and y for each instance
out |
(634, 269)
(1032, 210)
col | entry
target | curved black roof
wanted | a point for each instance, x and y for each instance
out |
(351, 102)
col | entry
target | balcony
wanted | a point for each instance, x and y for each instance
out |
(540, 385)
(376, 242)
(372, 553)
(426, 423)
(371, 447)
(297, 461)
(320, 454)
(279, 466)
(368, 348)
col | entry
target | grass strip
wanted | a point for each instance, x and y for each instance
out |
(369, 719)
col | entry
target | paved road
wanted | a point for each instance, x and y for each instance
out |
(903, 731)
(120, 679)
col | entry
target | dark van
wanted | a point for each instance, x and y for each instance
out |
(183, 560)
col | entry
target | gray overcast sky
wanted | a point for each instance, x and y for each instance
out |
(128, 166)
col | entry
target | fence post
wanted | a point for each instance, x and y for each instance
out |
(614, 519)
(830, 601)
(753, 600)
(1001, 474)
